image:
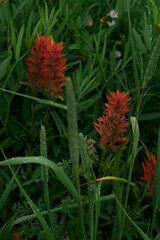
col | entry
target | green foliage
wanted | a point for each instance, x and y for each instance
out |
(70, 196)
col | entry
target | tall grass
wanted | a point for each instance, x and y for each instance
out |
(56, 180)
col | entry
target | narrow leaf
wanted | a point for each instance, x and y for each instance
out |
(28, 30)
(3, 67)
(5, 194)
(42, 101)
(140, 45)
(62, 177)
(19, 43)
(152, 63)
(143, 235)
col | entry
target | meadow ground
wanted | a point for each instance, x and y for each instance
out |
(79, 119)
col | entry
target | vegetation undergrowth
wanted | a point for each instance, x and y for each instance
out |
(79, 119)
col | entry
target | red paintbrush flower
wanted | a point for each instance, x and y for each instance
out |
(46, 66)
(149, 172)
(16, 235)
(113, 124)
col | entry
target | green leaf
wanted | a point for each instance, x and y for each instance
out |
(19, 43)
(72, 124)
(40, 217)
(157, 237)
(35, 31)
(5, 194)
(62, 177)
(60, 28)
(6, 229)
(156, 195)
(152, 64)
(3, 67)
(86, 104)
(28, 30)
(52, 21)
(43, 152)
(42, 101)
(13, 35)
(149, 116)
(138, 41)
(143, 235)
(147, 37)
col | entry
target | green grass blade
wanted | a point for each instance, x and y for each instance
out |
(62, 177)
(152, 63)
(135, 130)
(137, 82)
(73, 143)
(86, 165)
(34, 32)
(3, 67)
(43, 152)
(6, 229)
(156, 195)
(147, 37)
(60, 28)
(56, 210)
(40, 217)
(45, 177)
(28, 30)
(19, 43)
(6, 193)
(117, 190)
(157, 237)
(42, 101)
(97, 210)
(13, 35)
(143, 235)
(52, 21)
(72, 129)
(138, 41)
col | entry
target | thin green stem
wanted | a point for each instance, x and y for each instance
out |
(43, 149)
(137, 84)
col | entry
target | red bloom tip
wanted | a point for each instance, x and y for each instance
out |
(46, 66)
(113, 124)
(16, 235)
(149, 172)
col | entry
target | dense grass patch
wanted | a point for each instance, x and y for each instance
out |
(79, 119)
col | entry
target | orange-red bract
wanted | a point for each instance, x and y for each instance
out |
(149, 172)
(46, 66)
(113, 124)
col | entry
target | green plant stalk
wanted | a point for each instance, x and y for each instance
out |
(81, 220)
(143, 235)
(42, 101)
(44, 175)
(152, 64)
(56, 210)
(74, 145)
(86, 165)
(135, 129)
(117, 186)
(40, 217)
(156, 195)
(72, 130)
(29, 166)
(61, 176)
(97, 209)
(137, 85)
(33, 124)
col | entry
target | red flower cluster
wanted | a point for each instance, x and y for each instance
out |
(113, 124)
(16, 235)
(47, 65)
(149, 172)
